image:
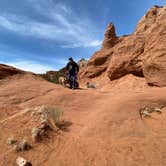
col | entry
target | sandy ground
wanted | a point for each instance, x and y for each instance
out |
(105, 127)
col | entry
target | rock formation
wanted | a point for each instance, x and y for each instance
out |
(142, 53)
(6, 71)
(109, 37)
(82, 63)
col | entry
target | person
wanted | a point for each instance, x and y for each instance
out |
(72, 69)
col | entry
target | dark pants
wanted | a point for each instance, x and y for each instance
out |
(72, 77)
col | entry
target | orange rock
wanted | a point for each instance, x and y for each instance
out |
(142, 53)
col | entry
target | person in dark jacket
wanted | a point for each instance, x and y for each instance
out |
(72, 70)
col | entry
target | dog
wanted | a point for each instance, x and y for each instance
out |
(63, 81)
(90, 85)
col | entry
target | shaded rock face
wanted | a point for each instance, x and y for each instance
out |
(142, 53)
(6, 71)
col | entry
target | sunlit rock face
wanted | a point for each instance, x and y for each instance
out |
(142, 53)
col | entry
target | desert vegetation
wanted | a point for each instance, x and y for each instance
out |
(18, 146)
(47, 119)
(147, 110)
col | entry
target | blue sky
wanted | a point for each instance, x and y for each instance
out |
(40, 35)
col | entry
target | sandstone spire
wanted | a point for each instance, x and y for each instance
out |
(109, 37)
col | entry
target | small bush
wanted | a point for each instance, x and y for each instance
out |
(48, 118)
(36, 134)
(24, 145)
(56, 115)
(45, 113)
(44, 117)
(146, 110)
(19, 146)
(40, 132)
(11, 141)
(16, 148)
(42, 109)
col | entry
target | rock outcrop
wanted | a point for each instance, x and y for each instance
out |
(142, 53)
(110, 38)
(82, 63)
(6, 71)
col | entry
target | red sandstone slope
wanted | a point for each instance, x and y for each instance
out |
(142, 53)
(6, 71)
(106, 127)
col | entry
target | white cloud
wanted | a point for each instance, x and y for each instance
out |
(95, 43)
(31, 28)
(64, 26)
(31, 66)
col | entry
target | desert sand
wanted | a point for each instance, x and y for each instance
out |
(105, 125)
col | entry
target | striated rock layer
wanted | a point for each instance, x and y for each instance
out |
(143, 53)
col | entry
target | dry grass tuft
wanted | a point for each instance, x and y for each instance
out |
(56, 115)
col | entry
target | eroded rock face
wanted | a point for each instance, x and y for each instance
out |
(6, 71)
(127, 58)
(154, 63)
(110, 38)
(97, 64)
(142, 53)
